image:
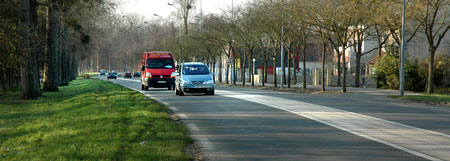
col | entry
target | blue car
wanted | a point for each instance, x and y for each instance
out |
(193, 78)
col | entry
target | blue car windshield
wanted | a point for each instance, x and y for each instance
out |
(195, 69)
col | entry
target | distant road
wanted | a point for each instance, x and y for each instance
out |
(245, 124)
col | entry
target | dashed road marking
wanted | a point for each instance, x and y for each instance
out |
(206, 143)
(173, 109)
(181, 115)
(192, 127)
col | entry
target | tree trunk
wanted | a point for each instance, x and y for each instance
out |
(339, 69)
(214, 68)
(65, 60)
(430, 79)
(242, 64)
(304, 66)
(344, 88)
(28, 67)
(294, 64)
(358, 69)
(264, 70)
(234, 68)
(220, 68)
(228, 66)
(253, 68)
(74, 64)
(274, 71)
(324, 50)
(289, 69)
(50, 66)
(249, 67)
(266, 62)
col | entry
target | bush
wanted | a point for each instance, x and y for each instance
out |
(86, 76)
(388, 74)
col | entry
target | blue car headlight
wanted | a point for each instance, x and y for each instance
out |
(209, 82)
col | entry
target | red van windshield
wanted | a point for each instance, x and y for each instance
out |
(160, 63)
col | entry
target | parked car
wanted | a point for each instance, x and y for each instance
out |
(137, 74)
(127, 75)
(112, 75)
(193, 78)
(103, 72)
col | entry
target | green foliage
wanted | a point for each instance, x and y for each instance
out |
(415, 74)
(387, 72)
(89, 120)
(86, 76)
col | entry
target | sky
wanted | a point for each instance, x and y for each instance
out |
(149, 7)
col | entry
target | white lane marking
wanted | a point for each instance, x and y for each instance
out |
(181, 115)
(134, 80)
(192, 127)
(173, 108)
(165, 103)
(424, 143)
(206, 143)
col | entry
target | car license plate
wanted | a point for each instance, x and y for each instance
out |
(198, 86)
(161, 81)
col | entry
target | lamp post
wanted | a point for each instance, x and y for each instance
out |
(164, 30)
(253, 72)
(282, 46)
(402, 54)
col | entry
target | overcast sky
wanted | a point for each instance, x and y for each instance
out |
(149, 7)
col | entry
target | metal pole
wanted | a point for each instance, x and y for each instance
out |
(164, 30)
(282, 45)
(402, 54)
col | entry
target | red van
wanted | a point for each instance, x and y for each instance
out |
(157, 70)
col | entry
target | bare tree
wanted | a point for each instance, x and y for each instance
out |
(435, 18)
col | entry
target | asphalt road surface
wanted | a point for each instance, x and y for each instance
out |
(246, 124)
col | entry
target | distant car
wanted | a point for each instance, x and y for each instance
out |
(137, 74)
(127, 75)
(193, 78)
(112, 75)
(103, 72)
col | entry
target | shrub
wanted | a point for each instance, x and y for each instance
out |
(86, 76)
(388, 74)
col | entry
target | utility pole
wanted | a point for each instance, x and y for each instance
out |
(402, 54)
(282, 45)
(164, 30)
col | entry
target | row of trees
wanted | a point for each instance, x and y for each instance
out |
(53, 40)
(43, 40)
(255, 31)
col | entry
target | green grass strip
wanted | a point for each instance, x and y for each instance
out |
(443, 98)
(89, 120)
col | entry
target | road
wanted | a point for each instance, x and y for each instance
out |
(247, 124)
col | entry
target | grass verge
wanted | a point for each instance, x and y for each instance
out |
(89, 120)
(439, 99)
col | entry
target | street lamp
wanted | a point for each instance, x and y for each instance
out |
(179, 38)
(164, 30)
(402, 54)
(282, 46)
(253, 72)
